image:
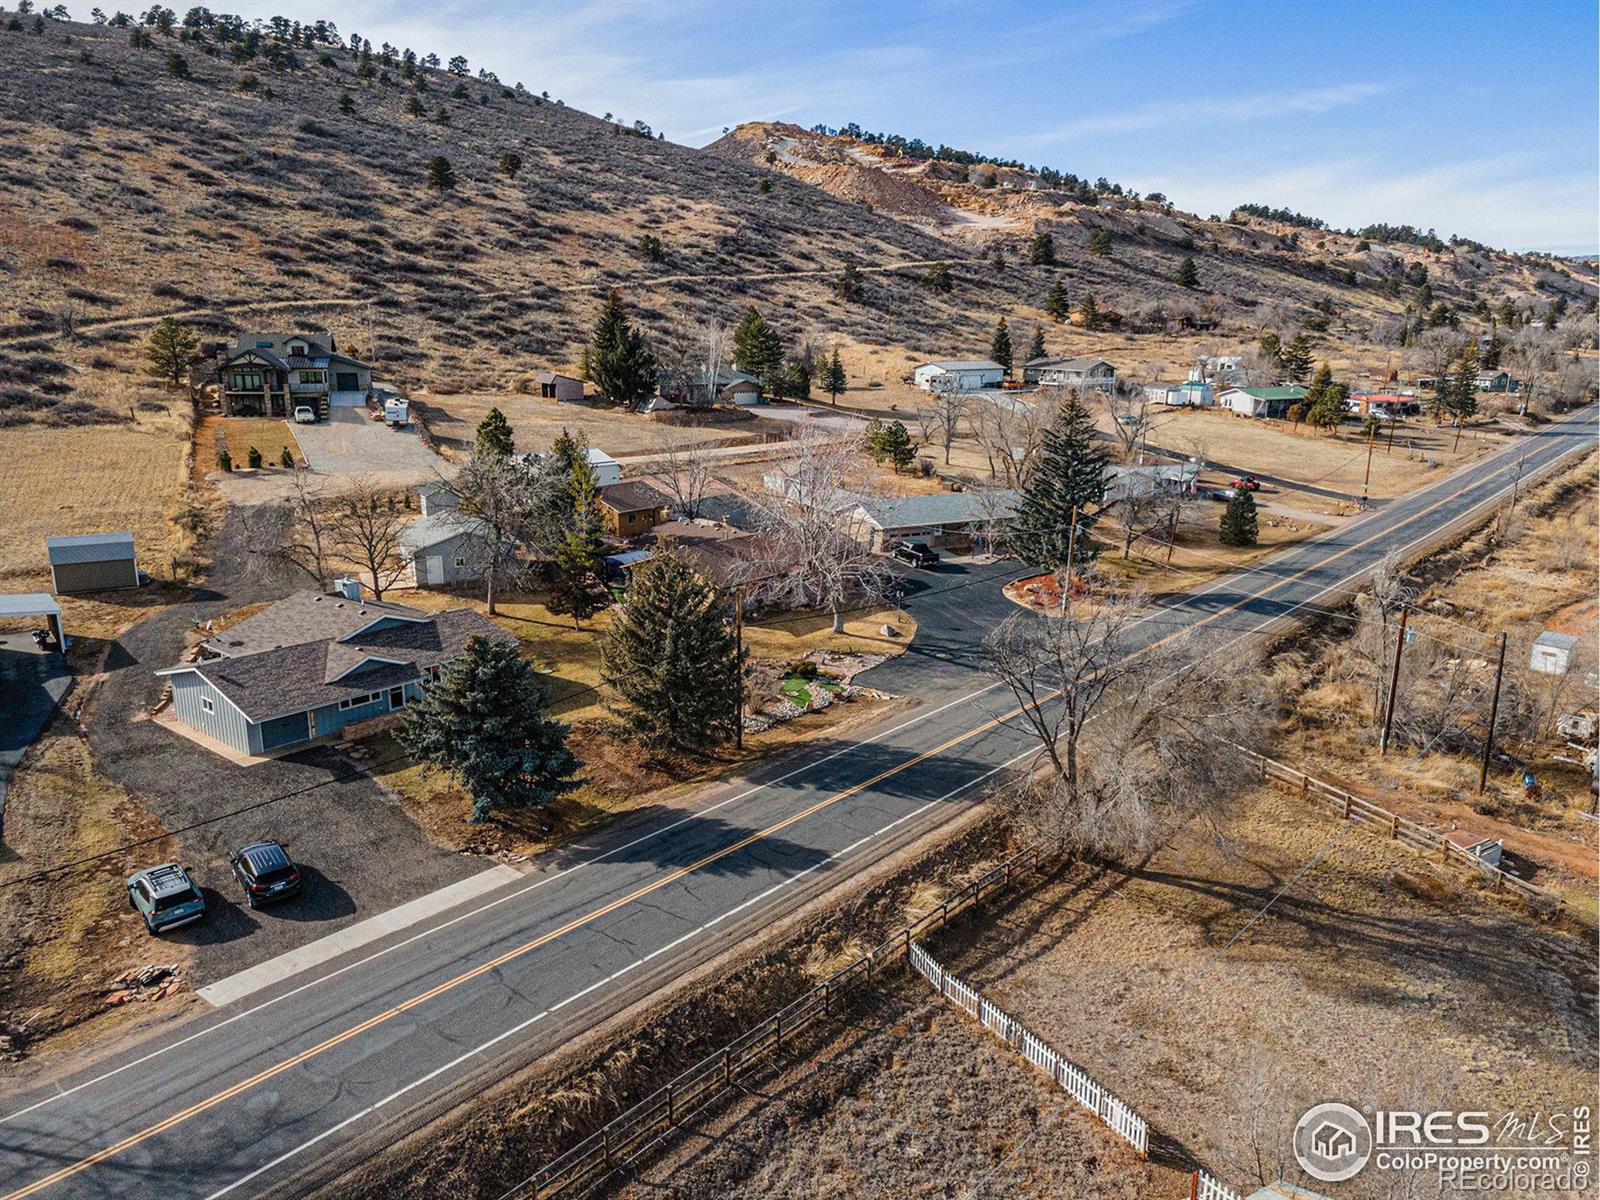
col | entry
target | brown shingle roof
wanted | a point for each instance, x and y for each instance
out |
(633, 496)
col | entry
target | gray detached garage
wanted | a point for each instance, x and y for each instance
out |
(92, 562)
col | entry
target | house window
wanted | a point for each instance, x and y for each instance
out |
(361, 701)
(460, 563)
(434, 673)
(247, 381)
(297, 347)
(205, 703)
(313, 377)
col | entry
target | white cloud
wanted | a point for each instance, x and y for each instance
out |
(1210, 110)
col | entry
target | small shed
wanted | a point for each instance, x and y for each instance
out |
(1486, 850)
(607, 470)
(92, 562)
(616, 567)
(555, 386)
(1552, 653)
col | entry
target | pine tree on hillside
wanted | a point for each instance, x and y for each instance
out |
(1000, 348)
(1188, 274)
(1057, 304)
(1238, 524)
(1100, 244)
(757, 348)
(1296, 358)
(1043, 250)
(494, 434)
(671, 658)
(1090, 311)
(1272, 349)
(833, 377)
(441, 175)
(1036, 345)
(617, 359)
(1070, 473)
(171, 350)
(579, 592)
(891, 442)
(1464, 394)
(485, 722)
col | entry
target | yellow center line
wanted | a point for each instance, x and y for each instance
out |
(372, 1022)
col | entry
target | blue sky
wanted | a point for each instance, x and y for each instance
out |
(1475, 117)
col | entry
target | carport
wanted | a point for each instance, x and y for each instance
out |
(34, 604)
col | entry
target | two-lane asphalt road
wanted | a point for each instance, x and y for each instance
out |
(279, 1089)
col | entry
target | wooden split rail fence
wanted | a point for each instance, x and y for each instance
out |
(1406, 831)
(636, 1131)
(1072, 1079)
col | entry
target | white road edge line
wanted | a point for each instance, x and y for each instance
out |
(612, 978)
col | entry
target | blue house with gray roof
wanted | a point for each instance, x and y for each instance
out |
(272, 374)
(314, 663)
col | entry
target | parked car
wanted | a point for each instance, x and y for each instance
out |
(918, 554)
(304, 414)
(165, 897)
(1248, 482)
(264, 871)
(1222, 494)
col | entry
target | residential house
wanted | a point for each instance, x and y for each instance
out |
(702, 389)
(92, 562)
(272, 374)
(1496, 381)
(1173, 478)
(951, 519)
(1224, 370)
(555, 386)
(633, 508)
(1385, 404)
(446, 546)
(1552, 653)
(959, 375)
(1085, 374)
(1191, 394)
(1269, 402)
(313, 664)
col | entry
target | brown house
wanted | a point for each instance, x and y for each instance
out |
(632, 508)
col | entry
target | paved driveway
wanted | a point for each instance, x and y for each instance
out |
(32, 682)
(348, 445)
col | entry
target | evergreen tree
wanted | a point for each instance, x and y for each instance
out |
(938, 278)
(1464, 394)
(441, 175)
(1489, 360)
(849, 285)
(758, 350)
(833, 377)
(1070, 473)
(570, 449)
(999, 259)
(494, 435)
(579, 592)
(1238, 524)
(346, 105)
(1036, 345)
(485, 722)
(1057, 304)
(1325, 401)
(618, 360)
(891, 442)
(1090, 312)
(171, 350)
(1188, 274)
(1042, 252)
(1100, 244)
(1272, 349)
(671, 658)
(795, 380)
(1000, 348)
(1296, 359)
(414, 107)
(510, 164)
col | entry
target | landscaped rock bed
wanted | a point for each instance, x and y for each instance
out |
(809, 684)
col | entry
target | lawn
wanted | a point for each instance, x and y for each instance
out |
(269, 435)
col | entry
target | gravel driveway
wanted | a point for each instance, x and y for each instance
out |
(360, 852)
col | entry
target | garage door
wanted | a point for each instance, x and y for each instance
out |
(283, 731)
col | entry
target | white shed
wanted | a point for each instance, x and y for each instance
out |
(961, 375)
(1552, 653)
(607, 470)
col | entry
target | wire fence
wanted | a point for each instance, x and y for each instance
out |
(1418, 836)
(1071, 1078)
(632, 1134)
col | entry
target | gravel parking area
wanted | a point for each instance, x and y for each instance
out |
(348, 445)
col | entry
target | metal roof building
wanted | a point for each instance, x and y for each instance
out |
(92, 562)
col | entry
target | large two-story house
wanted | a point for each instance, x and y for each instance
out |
(272, 374)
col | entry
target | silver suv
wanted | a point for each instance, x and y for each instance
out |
(165, 897)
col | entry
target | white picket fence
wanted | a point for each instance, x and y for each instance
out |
(1207, 1188)
(1072, 1079)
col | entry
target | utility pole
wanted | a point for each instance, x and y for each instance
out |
(1072, 543)
(1172, 536)
(738, 658)
(1394, 683)
(1372, 436)
(1494, 713)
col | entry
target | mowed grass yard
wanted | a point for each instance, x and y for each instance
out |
(619, 776)
(267, 434)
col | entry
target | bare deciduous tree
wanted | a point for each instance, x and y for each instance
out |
(1127, 403)
(1010, 431)
(940, 416)
(816, 551)
(298, 533)
(1132, 733)
(519, 510)
(685, 473)
(366, 531)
